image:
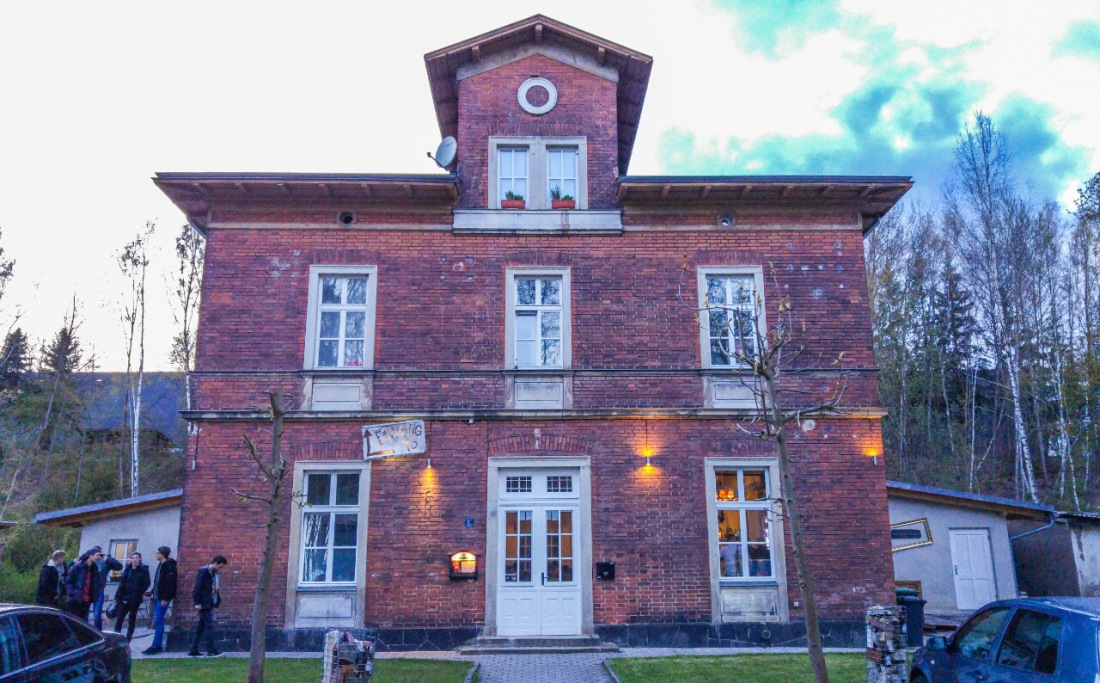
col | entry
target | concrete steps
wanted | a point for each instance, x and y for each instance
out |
(536, 646)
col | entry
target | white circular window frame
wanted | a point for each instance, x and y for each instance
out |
(521, 95)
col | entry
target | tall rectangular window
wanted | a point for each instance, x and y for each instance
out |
(538, 322)
(512, 172)
(732, 315)
(742, 500)
(340, 329)
(562, 173)
(330, 528)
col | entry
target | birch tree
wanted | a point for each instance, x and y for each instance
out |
(190, 257)
(133, 261)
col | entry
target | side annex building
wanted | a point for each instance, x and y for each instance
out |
(563, 366)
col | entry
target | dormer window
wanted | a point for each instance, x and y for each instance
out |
(534, 167)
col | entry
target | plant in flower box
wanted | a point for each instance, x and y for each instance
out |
(512, 201)
(560, 201)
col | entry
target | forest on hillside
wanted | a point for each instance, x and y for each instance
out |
(986, 318)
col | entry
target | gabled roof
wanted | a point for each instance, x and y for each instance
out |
(633, 68)
(1008, 506)
(79, 516)
(872, 196)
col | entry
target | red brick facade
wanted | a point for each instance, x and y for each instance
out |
(636, 377)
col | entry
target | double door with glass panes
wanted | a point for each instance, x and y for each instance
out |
(539, 590)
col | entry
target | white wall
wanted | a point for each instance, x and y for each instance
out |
(932, 564)
(1086, 553)
(151, 529)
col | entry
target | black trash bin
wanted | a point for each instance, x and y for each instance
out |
(914, 615)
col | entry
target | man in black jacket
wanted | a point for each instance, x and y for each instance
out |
(131, 593)
(206, 598)
(164, 592)
(51, 579)
(105, 564)
(81, 583)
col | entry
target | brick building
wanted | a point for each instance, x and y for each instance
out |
(577, 409)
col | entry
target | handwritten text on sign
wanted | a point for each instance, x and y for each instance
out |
(394, 439)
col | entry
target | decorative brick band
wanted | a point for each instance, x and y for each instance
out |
(552, 443)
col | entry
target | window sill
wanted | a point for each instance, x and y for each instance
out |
(327, 588)
(755, 583)
(537, 221)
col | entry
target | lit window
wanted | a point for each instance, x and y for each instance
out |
(742, 501)
(341, 318)
(330, 527)
(121, 551)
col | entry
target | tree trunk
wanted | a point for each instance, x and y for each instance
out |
(275, 479)
(794, 516)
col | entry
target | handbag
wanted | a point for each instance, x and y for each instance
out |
(112, 609)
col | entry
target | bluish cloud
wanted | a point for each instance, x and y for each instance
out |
(1082, 39)
(774, 27)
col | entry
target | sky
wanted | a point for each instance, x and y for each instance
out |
(97, 97)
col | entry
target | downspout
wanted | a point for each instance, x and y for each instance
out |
(1052, 522)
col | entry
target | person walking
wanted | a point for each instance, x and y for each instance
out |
(80, 585)
(131, 593)
(164, 592)
(51, 580)
(106, 564)
(206, 598)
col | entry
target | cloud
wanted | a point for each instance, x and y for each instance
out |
(1082, 39)
(776, 27)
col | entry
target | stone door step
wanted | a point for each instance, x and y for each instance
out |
(537, 646)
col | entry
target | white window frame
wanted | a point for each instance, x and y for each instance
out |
(538, 168)
(313, 314)
(741, 506)
(703, 272)
(510, 316)
(332, 509)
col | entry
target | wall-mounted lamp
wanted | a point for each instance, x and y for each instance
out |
(463, 566)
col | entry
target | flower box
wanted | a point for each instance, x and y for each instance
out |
(513, 203)
(563, 203)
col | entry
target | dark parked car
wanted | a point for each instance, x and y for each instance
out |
(1026, 640)
(45, 644)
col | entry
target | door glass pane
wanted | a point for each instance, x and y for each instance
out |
(559, 537)
(756, 526)
(517, 546)
(315, 565)
(347, 489)
(729, 555)
(317, 488)
(344, 530)
(760, 560)
(1021, 643)
(756, 487)
(725, 484)
(1047, 660)
(343, 564)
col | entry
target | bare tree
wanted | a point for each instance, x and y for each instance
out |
(191, 256)
(739, 334)
(133, 261)
(273, 472)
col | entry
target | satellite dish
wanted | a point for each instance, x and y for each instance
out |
(445, 153)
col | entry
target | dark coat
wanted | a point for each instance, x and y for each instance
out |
(110, 564)
(81, 574)
(49, 585)
(132, 584)
(165, 583)
(204, 594)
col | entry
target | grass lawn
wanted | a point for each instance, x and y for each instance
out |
(843, 668)
(226, 669)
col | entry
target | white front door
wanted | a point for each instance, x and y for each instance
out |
(539, 591)
(973, 567)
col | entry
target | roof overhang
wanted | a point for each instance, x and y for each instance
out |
(81, 516)
(871, 196)
(197, 194)
(633, 69)
(1005, 506)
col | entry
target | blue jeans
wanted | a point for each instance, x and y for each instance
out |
(159, 610)
(98, 610)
